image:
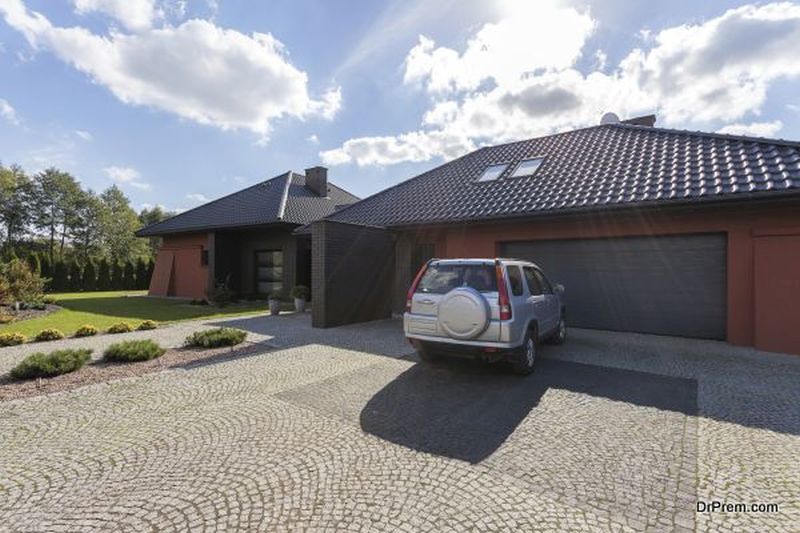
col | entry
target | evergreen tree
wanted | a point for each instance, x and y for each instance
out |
(142, 274)
(46, 270)
(104, 275)
(60, 281)
(90, 276)
(117, 279)
(129, 276)
(75, 276)
(34, 264)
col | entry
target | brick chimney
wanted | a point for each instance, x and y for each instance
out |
(317, 180)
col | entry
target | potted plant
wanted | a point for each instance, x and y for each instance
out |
(300, 295)
(274, 304)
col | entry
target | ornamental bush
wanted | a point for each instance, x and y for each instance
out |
(120, 327)
(50, 334)
(40, 365)
(214, 338)
(147, 324)
(133, 351)
(87, 330)
(12, 339)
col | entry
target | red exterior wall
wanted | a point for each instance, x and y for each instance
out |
(743, 226)
(179, 270)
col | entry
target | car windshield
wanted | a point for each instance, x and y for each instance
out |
(442, 278)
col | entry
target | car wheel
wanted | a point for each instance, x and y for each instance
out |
(525, 356)
(426, 354)
(561, 332)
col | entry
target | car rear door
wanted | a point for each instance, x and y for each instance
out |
(538, 303)
(553, 313)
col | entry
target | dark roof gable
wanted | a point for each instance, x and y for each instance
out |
(284, 198)
(600, 167)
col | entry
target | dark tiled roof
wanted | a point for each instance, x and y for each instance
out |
(284, 198)
(601, 167)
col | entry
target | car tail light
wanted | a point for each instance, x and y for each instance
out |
(502, 291)
(414, 284)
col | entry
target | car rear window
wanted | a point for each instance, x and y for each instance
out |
(442, 278)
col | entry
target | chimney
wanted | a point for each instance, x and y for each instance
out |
(317, 180)
(646, 120)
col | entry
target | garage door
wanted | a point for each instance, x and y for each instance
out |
(670, 285)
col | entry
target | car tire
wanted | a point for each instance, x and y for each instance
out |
(525, 356)
(560, 336)
(426, 354)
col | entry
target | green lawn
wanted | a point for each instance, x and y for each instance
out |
(102, 309)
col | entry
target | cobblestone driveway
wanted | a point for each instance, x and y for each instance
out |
(336, 430)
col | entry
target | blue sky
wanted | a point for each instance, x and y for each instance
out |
(178, 102)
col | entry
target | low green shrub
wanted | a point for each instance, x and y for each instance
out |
(132, 351)
(49, 300)
(300, 291)
(87, 330)
(12, 339)
(147, 324)
(214, 338)
(50, 334)
(6, 319)
(41, 365)
(120, 327)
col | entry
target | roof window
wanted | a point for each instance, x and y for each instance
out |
(527, 167)
(493, 172)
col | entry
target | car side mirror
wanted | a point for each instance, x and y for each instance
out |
(559, 289)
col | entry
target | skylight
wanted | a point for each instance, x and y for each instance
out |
(492, 172)
(528, 167)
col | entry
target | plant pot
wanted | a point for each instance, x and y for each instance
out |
(299, 304)
(274, 307)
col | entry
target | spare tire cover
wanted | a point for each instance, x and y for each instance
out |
(463, 313)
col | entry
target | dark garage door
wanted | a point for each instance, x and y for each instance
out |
(670, 285)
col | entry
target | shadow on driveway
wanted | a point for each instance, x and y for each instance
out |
(465, 410)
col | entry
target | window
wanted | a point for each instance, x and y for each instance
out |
(269, 272)
(515, 280)
(442, 278)
(204, 257)
(533, 284)
(493, 172)
(528, 167)
(543, 283)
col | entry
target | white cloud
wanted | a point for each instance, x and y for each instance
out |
(8, 113)
(126, 176)
(85, 135)
(755, 129)
(196, 70)
(501, 88)
(313, 139)
(197, 197)
(135, 15)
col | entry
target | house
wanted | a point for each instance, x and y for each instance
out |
(650, 230)
(245, 238)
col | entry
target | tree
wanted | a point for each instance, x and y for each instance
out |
(46, 271)
(55, 196)
(34, 264)
(142, 274)
(75, 276)
(19, 284)
(129, 276)
(117, 279)
(120, 223)
(15, 195)
(90, 276)
(104, 275)
(152, 216)
(60, 280)
(87, 236)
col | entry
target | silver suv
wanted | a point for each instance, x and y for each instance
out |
(493, 309)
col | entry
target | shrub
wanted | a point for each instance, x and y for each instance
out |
(300, 291)
(129, 276)
(89, 280)
(117, 278)
(142, 274)
(40, 365)
(48, 300)
(132, 351)
(221, 295)
(50, 334)
(60, 281)
(87, 330)
(104, 276)
(34, 263)
(12, 339)
(213, 338)
(147, 324)
(18, 283)
(75, 276)
(6, 319)
(120, 327)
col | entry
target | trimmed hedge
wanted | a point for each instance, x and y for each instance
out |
(214, 338)
(147, 324)
(12, 339)
(133, 351)
(41, 365)
(120, 327)
(50, 334)
(87, 330)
